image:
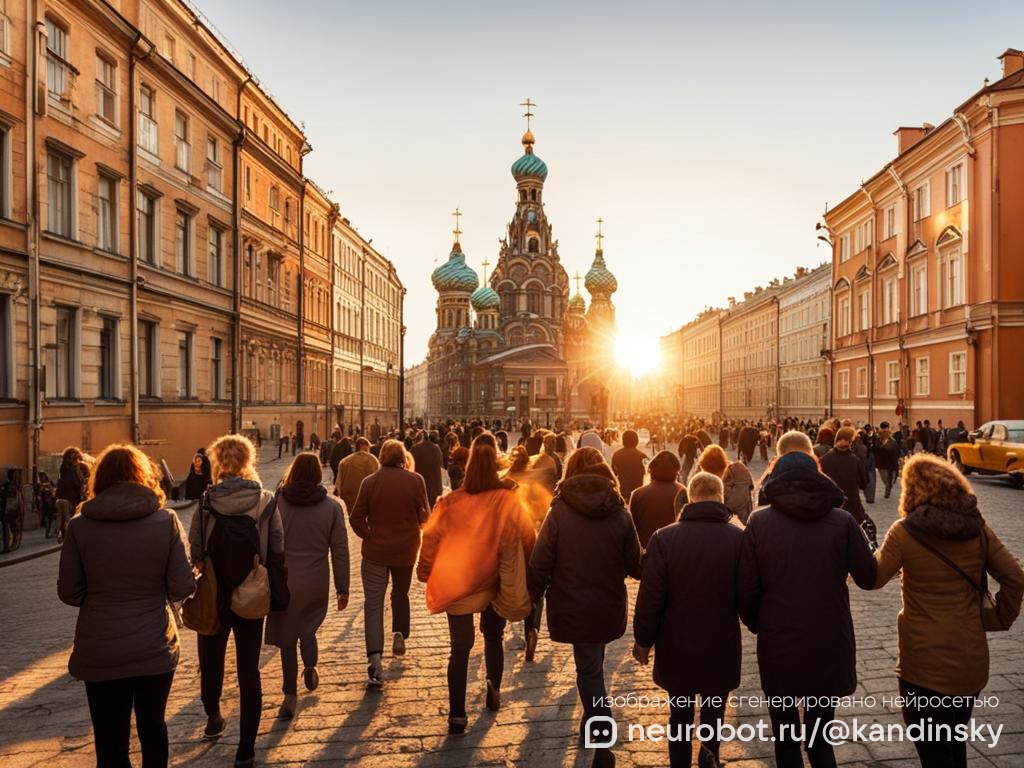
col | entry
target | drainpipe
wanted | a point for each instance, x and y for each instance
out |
(300, 369)
(236, 281)
(995, 403)
(133, 244)
(965, 131)
(902, 325)
(362, 342)
(778, 358)
(870, 330)
(401, 362)
(34, 415)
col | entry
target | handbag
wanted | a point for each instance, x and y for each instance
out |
(251, 598)
(513, 599)
(988, 613)
(199, 612)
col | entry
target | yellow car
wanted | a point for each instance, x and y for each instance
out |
(996, 448)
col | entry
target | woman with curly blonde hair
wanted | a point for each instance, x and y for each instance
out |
(123, 559)
(223, 529)
(945, 550)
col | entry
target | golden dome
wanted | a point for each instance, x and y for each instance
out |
(528, 140)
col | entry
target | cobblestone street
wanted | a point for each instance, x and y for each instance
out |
(44, 719)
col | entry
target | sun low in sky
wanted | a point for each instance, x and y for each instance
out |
(638, 353)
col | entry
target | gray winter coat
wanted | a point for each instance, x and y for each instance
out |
(236, 496)
(123, 559)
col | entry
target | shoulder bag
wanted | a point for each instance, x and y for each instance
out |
(199, 612)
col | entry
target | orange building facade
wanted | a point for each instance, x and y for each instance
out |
(927, 280)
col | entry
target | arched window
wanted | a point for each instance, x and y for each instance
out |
(533, 195)
(522, 195)
(534, 301)
(533, 245)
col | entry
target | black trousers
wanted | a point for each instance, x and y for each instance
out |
(212, 650)
(589, 659)
(110, 707)
(680, 751)
(460, 628)
(937, 754)
(788, 745)
(290, 662)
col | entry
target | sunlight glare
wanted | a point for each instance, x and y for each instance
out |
(639, 354)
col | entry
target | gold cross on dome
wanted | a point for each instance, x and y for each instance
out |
(486, 265)
(528, 114)
(457, 214)
(599, 236)
(577, 278)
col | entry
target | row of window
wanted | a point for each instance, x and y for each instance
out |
(890, 386)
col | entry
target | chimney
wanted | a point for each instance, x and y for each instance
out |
(1013, 61)
(908, 135)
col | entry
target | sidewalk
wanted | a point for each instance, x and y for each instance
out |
(33, 544)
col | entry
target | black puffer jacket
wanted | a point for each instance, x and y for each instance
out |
(585, 550)
(797, 554)
(686, 606)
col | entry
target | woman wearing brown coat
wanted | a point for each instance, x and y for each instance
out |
(944, 549)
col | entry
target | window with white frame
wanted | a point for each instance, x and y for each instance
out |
(216, 369)
(957, 373)
(214, 168)
(275, 198)
(215, 255)
(5, 171)
(955, 178)
(108, 375)
(892, 378)
(59, 72)
(844, 247)
(148, 133)
(889, 221)
(106, 88)
(146, 227)
(919, 288)
(183, 242)
(149, 358)
(106, 212)
(182, 148)
(185, 365)
(843, 384)
(60, 193)
(62, 356)
(922, 376)
(862, 382)
(864, 309)
(6, 346)
(890, 299)
(867, 234)
(953, 277)
(5, 34)
(922, 202)
(843, 315)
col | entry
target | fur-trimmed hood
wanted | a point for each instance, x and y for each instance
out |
(959, 520)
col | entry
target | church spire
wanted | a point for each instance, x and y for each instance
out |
(456, 246)
(528, 139)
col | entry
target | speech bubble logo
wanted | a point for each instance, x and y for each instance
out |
(601, 732)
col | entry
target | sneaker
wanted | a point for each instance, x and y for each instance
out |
(493, 697)
(287, 710)
(398, 644)
(457, 725)
(705, 759)
(215, 726)
(603, 758)
(245, 762)
(311, 678)
(375, 672)
(531, 645)
(516, 642)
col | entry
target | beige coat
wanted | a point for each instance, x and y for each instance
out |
(352, 470)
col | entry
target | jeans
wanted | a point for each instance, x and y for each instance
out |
(290, 662)
(888, 479)
(589, 658)
(937, 754)
(460, 628)
(712, 713)
(533, 618)
(787, 746)
(375, 584)
(869, 491)
(212, 650)
(110, 707)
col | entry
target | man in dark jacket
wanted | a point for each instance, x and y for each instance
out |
(747, 442)
(690, 570)
(796, 556)
(628, 463)
(428, 458)
(847, 471)
(887, 457)
(653, 505)
(342, 447)
(587, 606)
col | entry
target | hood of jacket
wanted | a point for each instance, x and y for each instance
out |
(304, 494)
(798, 489)
(121, 502)
(705, 511)
(236, 496)
(958, 519)
(590, 495)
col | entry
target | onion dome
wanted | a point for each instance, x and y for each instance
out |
(529, 165)
(454, 274)
(577, 304)
(484, 298)
(599, 279)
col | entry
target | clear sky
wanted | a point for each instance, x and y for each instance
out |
(708, 136)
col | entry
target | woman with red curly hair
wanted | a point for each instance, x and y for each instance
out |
(124, 558)
(945, 550)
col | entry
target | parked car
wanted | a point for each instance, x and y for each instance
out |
(995, 448)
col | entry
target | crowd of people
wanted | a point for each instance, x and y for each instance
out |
(518, 527)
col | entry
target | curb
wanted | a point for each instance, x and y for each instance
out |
(30, 556)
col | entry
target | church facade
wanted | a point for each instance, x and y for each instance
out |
(517, 347)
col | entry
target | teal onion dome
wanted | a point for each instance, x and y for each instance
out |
(454, 274)
(484, 298)
(577, 304)
(599, 279)
(529, 165)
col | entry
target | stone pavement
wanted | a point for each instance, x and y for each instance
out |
(44, 719)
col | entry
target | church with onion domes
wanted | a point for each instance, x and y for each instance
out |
(514, 346)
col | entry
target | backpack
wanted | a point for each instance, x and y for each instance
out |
(234, 549)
